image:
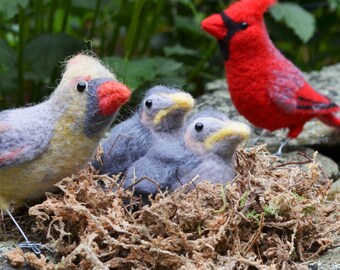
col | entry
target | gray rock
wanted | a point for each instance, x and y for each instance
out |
(329, 166)
(335, 189)
(328, 261)
(315, 133)
(4, 264)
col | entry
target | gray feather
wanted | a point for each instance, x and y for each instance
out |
(127, 142)
(175, 163)
(131, 139)
(26, 138)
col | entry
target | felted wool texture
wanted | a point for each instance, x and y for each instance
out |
(173, 120)
(265, 87)
(131, 139)
(172, 164)
(20, 132)
(102, 105)
(166, 163)
(217, 160)
(79, 67)
(42, 144)
(127, 142)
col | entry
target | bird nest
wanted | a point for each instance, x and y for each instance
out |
(271, 216)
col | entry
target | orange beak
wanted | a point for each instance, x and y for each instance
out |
(111, 96)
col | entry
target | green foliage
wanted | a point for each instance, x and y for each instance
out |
(253, 215)
(44, 51)
(322, 48)
(199, 229)
(301, 21)
(10, 8)
(147, 70)
(244, 198)
(146, 41)
(297, 196)
(7, 66)
(224, 200)
(333, 4)
(309, 210)
(271, 209)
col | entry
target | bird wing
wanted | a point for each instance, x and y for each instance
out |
(127, 142)
(160, 164)
(311, 102)
(293, 94)
(21, 139)
(144, 173)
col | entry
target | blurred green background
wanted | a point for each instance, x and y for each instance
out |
(146, 42)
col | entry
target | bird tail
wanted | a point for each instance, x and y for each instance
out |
(330, 120)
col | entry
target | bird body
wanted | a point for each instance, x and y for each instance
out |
(212, 137)
(205, 150)
(265, 87)
(128, 141)
(165, 163)
(210, 167)
(159, 117)
(42, 144)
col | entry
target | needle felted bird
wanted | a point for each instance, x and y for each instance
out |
(159, 116)
(206, 150)
(42, 144)
(265, 87)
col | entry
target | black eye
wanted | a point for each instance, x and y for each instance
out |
(244, 25)
(81, 86)
(199, 127)
(148, 103)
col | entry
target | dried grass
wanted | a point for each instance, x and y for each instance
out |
(270, 217)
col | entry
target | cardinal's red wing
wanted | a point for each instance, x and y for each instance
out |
(288, 89)
(311, 102)
(304, 101)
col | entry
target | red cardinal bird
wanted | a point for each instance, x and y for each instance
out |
(265, 87)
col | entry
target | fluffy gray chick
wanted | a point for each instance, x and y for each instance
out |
(213, 137)
(206, 150)
(159, 117)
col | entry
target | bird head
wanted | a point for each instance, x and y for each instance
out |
(241, 23)
(212, 132)
(91, 92)
(165, 108)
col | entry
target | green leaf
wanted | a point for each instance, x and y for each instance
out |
(45, 51)
(333, 4)
(7, 56)
(301, 21)
(271, 209)
(90, 5)
(8, 74)
(178, 50)
(10, 8)
(244, 198)
(189, 4)
(188, 23)
(253, 215)
(137, 72)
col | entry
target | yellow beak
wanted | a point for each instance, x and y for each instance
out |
(233, 129)
(181, 101)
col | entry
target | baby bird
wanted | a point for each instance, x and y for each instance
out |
(159, 117)
(206, 150)
(212, 136)
(42, 144)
